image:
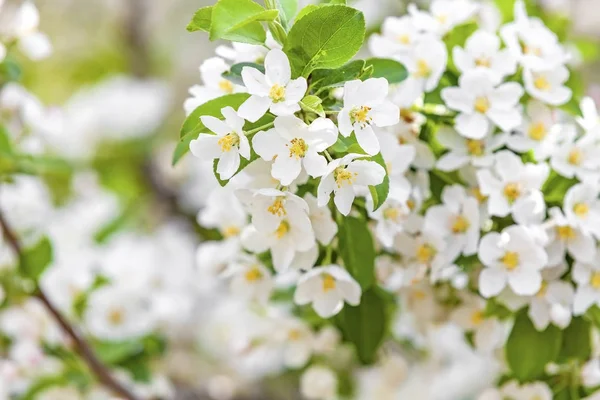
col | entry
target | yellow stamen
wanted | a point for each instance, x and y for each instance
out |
(542, 83)
(512, 191)
(482, 104)
(426, 253)
(282, 229)
(442, 18)
(253, 274)
(410, 203)
(565, 232)
(476, 192)
(595, 280)
(510, 260)
(344, 177)
(294, 335)
(116, 317)
(231, 231)
(460, 225)
(543, 289)
(475, 147)
(423, 69)
(404, 39)
(298, 148)
(537, 131)
(581, 210)
(360, 115)
(575, 156)
(226, 86)
(532, 50)
(391, 214)
(407, 115)
(483, 62)
(328, 282)
(277, 93)
(278, 207)
(477, 317)
(228, 141)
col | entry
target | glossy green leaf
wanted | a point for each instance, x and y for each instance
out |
(313, 104)
(357, 250)
(576, 341)
(326, 78)
(287, 11)
(306, 10)
(235, 72)
(387, 68)
(36, 259)
(239, 21)
(381, 191)
(528, 351)
(325, 38)
(201, 20)
(365, 325)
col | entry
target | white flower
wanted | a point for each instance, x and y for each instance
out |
(297, 338)
(535, 390)
(424, 252)
(244, 52)
(390, 217)
(548, 85)
(482, 51)
(511, 257)
(271, 206)
(319, 383)
(457, 220)
(470, 316)
(323, 224)
(21, 23)
(274, 90)
(327, 288)
(587, 278)
(512, 183)
(365, 104)
(590, 373)
(213, 258)
(293, 144)
(552, 303)
(582, 207)
(251, 280)
(589, 111)
(343, 176)
(480, 101)
(214, 86)
(398, 35)
(443, 15)
(577, 157)
(536, 133)
(228, 144)
(425, 65)
(464, 151)
(398, 158)
(223, 211)
(565, 236)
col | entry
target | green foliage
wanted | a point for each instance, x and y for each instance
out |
(357, 250)
(576, 341)
(312, 104)
(528, 350)
(235, 72)
(324, 40)
(386, 68)
(287, 11)
(326, 79)
(34, 260)
(381, 191)
(365, 325)
(201, 20)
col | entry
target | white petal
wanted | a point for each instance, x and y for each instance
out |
(525, 281)
(584, 298)
(324, 190)
(282, 255)
(254, 108)
(473, 126)
(206, 147)
(489, 249)
(328, 304)
(315, 164)
(255, 81)
(491, 282)
(344, 122)
(367, 139)
(351, 291)
(295, 90)
(267, 144)
(367, 172)
(286, 168)
(456, 99)
(452, 161)
(343, 199)
(215, 125)
(228, 164)
(233, 119)
(283, 108)
(277, 67)
(385, 114)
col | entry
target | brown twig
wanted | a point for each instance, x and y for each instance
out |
(84, 350)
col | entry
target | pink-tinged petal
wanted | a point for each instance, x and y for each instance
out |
(295, 90)
(367, 139)
(472, 126)
(367, 172)
(491, 282)
(315, 164)
(206, 147)
(254, 108)
(255, 82)
(385, 114)
(286, 168)
(343, 199)
(215, 125)
(228, 164)
(277, 67)
(267, 144)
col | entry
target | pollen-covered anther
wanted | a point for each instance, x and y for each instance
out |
(278, 207)
(361, 115)
(228, 141)
(344, 177)
(277, 93)
(298, 148)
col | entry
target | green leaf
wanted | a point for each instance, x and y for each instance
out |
(326, 78)
(357, 250)
(381, 191)
(577, 341)
(113, 353)
(201, 20)
(5, 141)
(386, 68)
(365, 325)
(313, 104)
(326, 38)
(306, 10)
(239, 21)
(528, 351)
(34, 260)
(343, 2)
(287, 11)
(278, 32)
(235, 72)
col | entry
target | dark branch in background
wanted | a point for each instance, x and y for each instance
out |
(84, 350)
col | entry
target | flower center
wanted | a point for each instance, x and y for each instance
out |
(278, 207)
(328, 282)
(537, 131)
(423, 70)
(344, 177)
(483, 62)
(277, 93)
(581, 210)
(282, 229)
(482, 104)
(512, 191)
(253, 274)
(407, 115)
(460, 225)
(294, 335)
(391, 214)
(410, 203)
(510, 259)
(477, 317)
(536, 51)
(542, 83)
(425, 253)
(404, 38)
(442, 18)
(595, 280)
(298, 148)
(226, 86)
(565, 232)
(116, 316)
(476, 192)
(475, 147)
(230, 231)
(228, 141)
(575, 157)
(543, 289)
(361, 115)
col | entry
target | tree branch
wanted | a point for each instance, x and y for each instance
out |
(84, 350)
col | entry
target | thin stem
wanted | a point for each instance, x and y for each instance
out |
(260, 128)
(328, 156)
(83, 348)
